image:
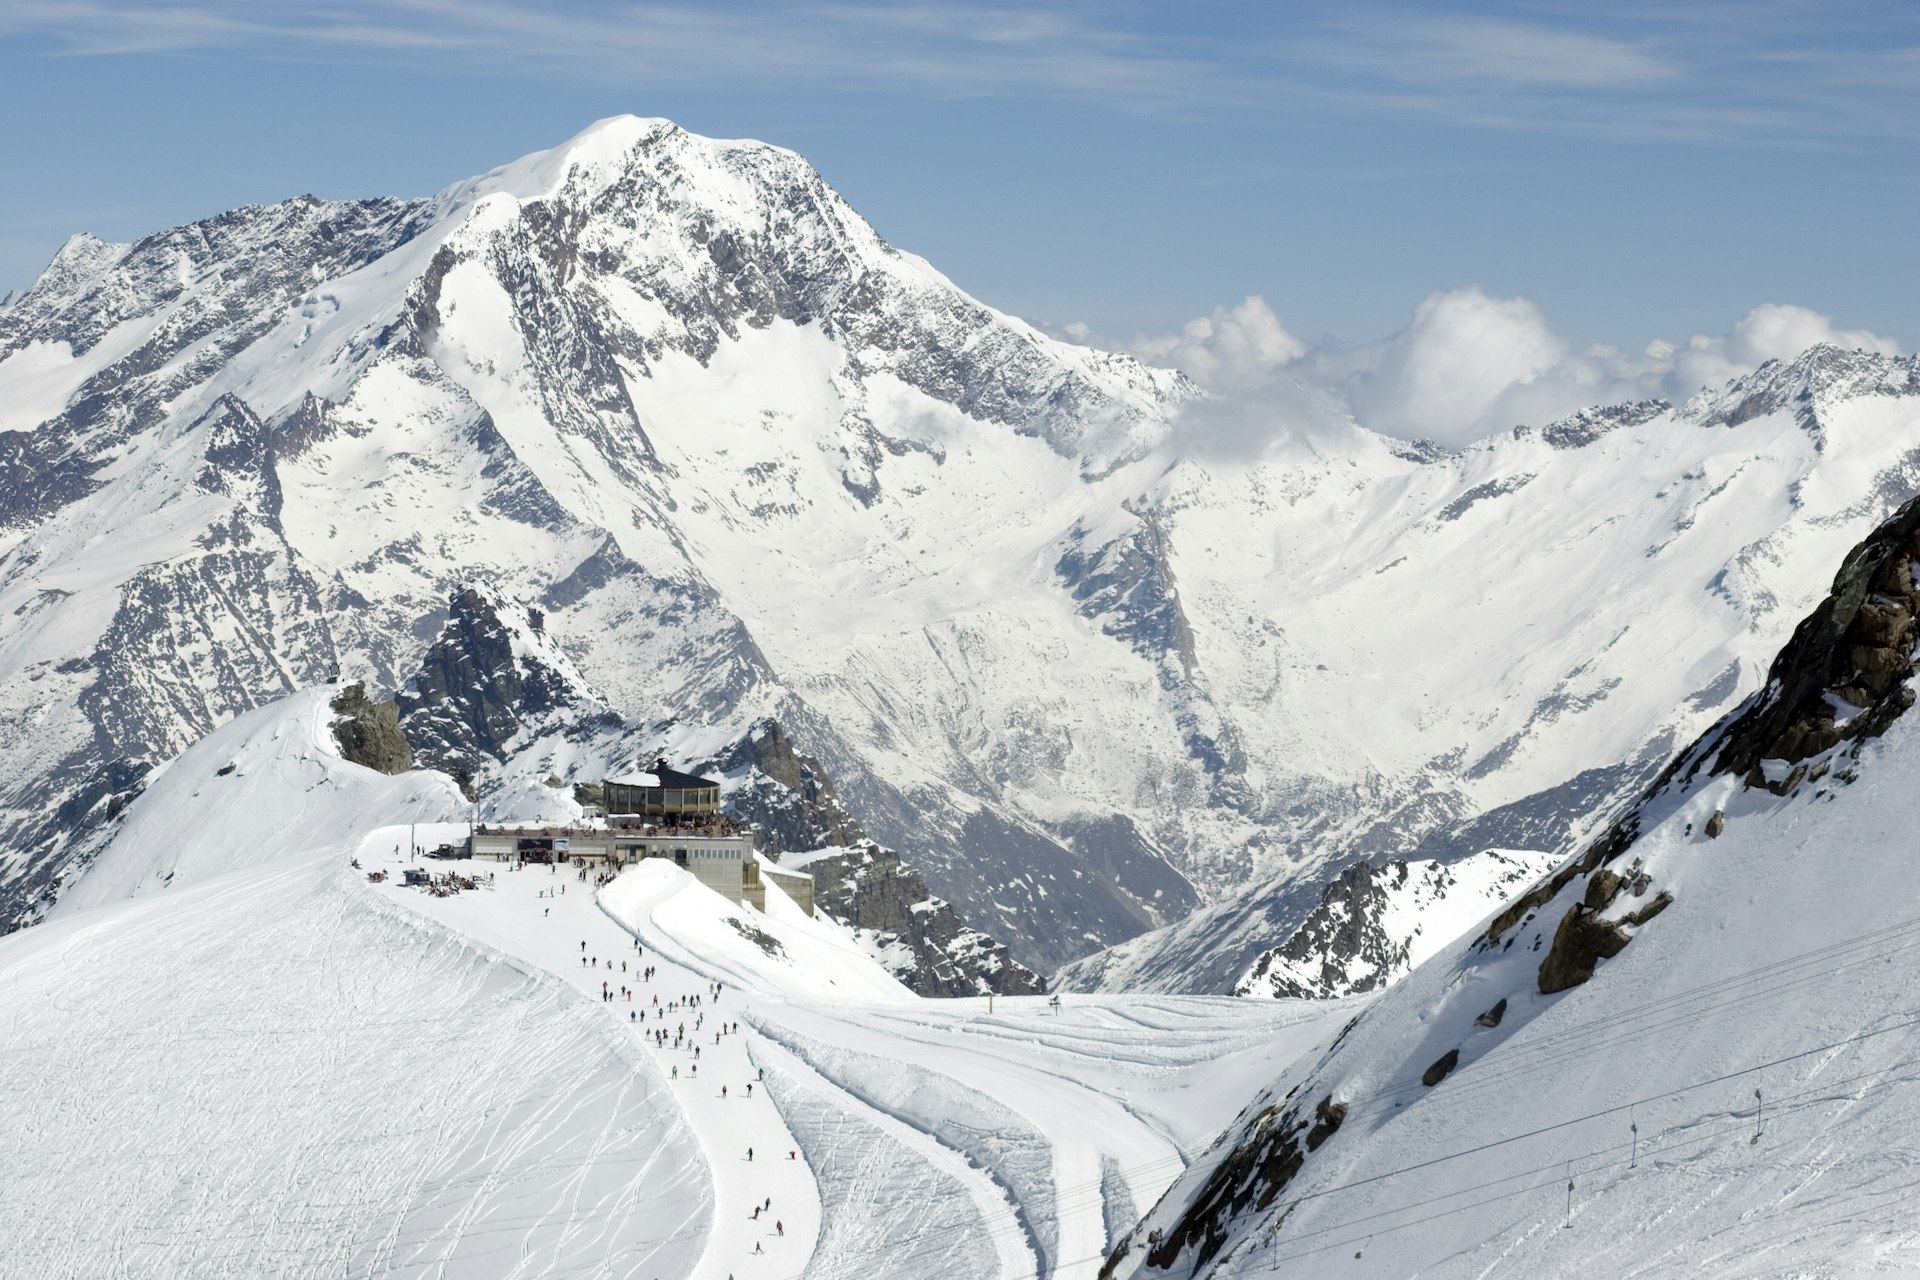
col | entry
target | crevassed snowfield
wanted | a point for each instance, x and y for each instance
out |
(263, 1064)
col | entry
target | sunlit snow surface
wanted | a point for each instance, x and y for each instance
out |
(1788, 964)
(930, 1137)
(263, 1064)
(279, 1075)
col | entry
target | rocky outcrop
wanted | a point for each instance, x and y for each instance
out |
(1578, 430)
(782, 793)
(1127, 587)
(477, 688)
(1818, 376)
(1579, 944)
(921, 938)
(786, 798)
(369, 732)
(1373, 924)
(1843, 676)
(1251, 1176)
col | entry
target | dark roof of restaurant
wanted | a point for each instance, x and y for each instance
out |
(661, 776)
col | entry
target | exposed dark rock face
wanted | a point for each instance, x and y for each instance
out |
(1336, 934)
(1578, 430)
(782, 793)
(369, 732)
(1843, 676)
(1481, 493)
(1343, 947)
(785, 796)
(1824, 372)
(475, 691)
(1252, 1176)
(1441, 1069)
(1128, 587)
(872, 890)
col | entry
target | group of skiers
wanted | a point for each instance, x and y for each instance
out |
(686, 1002)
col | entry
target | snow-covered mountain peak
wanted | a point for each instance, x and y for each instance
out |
(753, 464)
(1820, 375)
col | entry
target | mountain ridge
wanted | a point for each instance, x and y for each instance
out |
(753, 464)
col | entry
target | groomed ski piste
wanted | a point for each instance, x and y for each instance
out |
(236, 1055)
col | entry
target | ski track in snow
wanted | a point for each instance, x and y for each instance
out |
(262, 1064)
(930, 1138)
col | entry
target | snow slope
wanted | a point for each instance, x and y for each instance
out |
(267, 1064)
(266, 1073)
(264, 783)
(1690, 1052)
(1015, 1143)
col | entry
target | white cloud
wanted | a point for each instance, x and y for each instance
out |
(1442, 375)
(1466, 365)
(1230, 347)
(1486, 50)
(1771, 331)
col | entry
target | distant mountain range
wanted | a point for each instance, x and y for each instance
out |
(717, 461)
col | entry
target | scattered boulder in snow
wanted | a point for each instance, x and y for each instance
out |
(1441, 1069)
(1581, 942)
(1716, 824)
(1491, 1018)
(369, 732)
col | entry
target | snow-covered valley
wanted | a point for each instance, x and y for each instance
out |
(1689, 1051)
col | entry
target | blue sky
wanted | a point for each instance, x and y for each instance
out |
(1636, 171)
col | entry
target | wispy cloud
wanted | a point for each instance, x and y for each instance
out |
(1715, 72)
(938, 49)
(1488, 51)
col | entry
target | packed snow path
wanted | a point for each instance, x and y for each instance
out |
(927, 1138)
(547, 917)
